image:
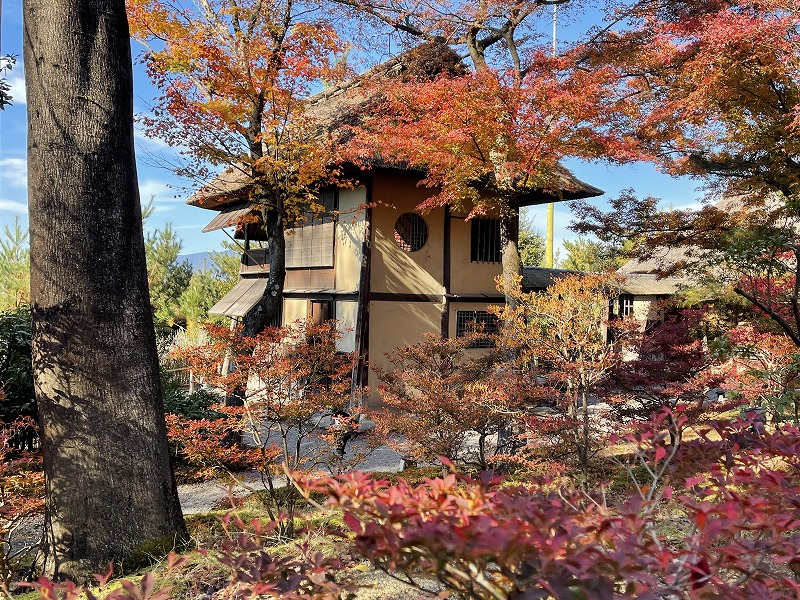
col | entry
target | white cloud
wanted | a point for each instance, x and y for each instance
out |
(147, 143)
(165, 198)
(16, 82)
(154, 188)
(14, 172)
(13, 206)
(684, 205)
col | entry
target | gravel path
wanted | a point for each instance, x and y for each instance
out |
(202, 497)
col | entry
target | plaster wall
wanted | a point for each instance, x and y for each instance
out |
(393, 269)
(346, 315)
(349, 237)
(397, 324)
(466, 276)
(645, 308)
(294, 309)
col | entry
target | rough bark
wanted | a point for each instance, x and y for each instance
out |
(512, 264)
(263, 312)
(110, 491)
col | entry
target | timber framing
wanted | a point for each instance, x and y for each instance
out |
(361, 365)
(446, 273)
(385, 291)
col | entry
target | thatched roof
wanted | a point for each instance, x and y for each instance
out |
(681, 259)
(343, 104)
(662, 260)
(651, 285)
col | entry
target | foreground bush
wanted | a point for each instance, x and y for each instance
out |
(21, 496)
(730, 530)
(717, 516)
(16, 371)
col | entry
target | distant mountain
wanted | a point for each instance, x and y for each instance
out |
(197, 259)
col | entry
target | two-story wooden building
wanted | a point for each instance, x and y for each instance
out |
(386, 271)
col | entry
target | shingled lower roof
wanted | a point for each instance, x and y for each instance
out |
(536, 279)
(244, 296)
(229, 216)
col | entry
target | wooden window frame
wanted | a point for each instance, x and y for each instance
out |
(485, 245)
(477, 321)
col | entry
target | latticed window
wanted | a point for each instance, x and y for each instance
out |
(329, 199)
(485, 246)
(410, 232)
(625, 305)
(477, 321)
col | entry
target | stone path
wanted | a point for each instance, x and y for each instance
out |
(202, 497)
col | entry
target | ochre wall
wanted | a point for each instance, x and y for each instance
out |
(349, 237)
(467, 276)
(396, 324)
(421, 272)
(394, 270)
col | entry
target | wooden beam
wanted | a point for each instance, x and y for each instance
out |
(445, 323)
(404, 297)
(360, 367)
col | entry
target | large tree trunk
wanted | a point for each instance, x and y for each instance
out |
(512, 264)
(268, 306)
(110, 491)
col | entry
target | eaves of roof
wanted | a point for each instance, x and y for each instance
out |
(337, 104)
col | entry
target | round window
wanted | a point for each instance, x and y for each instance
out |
(410, 232)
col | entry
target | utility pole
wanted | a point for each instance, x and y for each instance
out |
(548, 245)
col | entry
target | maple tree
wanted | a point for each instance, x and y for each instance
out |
(669, 366)
(490, 137)
(762, 370)
(715, 85)
(562, 335)
(234, 80)
(293, 379)
(437, 395)
(744, 245)
(715, 517)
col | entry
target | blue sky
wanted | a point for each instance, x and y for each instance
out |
(169, 199)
